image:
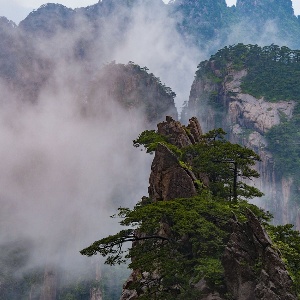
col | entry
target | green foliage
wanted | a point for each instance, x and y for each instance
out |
(211, 269)
(273, 72)
(225, 164)
(176, 243)
(220, 160)
(149, 139)
(287, 241)
(182, 240)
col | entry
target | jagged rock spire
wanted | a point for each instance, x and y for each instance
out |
(168, 179)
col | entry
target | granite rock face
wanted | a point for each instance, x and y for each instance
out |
(247, 119)
(168, 179)
(179, 135)
(254, 270)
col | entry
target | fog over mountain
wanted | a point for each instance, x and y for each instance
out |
(67, 160)
(67, 157)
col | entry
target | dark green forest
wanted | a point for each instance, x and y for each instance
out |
(273, 72)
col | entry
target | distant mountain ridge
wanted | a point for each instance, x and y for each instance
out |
(208, 24)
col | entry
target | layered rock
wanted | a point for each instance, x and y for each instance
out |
(253, 268)
(168, 179)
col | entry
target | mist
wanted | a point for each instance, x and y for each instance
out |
(67, 160)
(63, 175)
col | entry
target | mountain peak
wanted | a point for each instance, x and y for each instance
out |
(273, 8)
(48, 18)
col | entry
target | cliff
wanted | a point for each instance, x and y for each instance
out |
(252, 267)
(213, 23)
(133, 88)
(208, 24)
(75, 39)
(168, 179)
(218, 98)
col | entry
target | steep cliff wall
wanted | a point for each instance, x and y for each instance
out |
(253, 268)
(168, 179)
(219, 101)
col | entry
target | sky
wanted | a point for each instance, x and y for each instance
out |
(17, 10)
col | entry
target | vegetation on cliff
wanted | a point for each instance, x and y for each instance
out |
(273, 72)
(135, 88)
(179, 242)
(224, 163)
(205, 21)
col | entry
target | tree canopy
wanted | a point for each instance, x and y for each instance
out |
(273, 72)
(177, 243)
(226, 165)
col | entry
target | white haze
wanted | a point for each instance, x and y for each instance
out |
(267, 35)
(63, 174)
(153, 42)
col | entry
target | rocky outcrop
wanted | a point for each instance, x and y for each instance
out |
(178, 134)
(250, 112)
(49, 288)
(246, 119)
(253, 268)
(48, 20)
(134, 88)
(168, 178)
(240, 111)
